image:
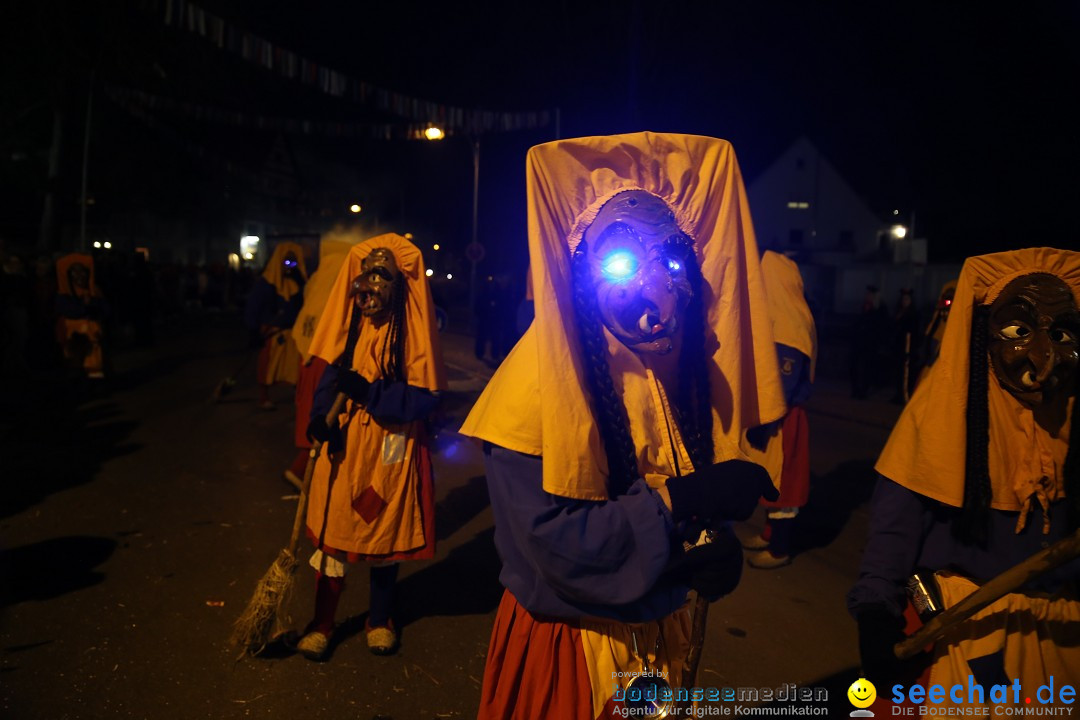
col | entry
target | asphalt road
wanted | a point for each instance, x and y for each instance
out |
(136, 522)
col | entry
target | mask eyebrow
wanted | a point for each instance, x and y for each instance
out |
(618, 231)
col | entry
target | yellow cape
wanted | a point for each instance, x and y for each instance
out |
(537, 402)
(926, 450)
(275, 275)
(423, 353)
(792, 322)
(333, 247)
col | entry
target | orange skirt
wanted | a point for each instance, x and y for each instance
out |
(535, 669)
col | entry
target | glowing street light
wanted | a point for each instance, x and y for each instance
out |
(97, 244)
(898, 231)
(108, 245)
(435, 246)
(434, 133)
(429, 272)
(449, 276)
(354, 208)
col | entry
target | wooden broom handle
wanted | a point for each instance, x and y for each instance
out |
(309, 471)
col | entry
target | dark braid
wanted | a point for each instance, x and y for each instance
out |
(694, 396)
(345, 362)
(1072, 461)
(392, 355)
(611, 417)
(973, 521)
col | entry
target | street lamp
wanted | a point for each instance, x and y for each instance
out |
(354, 208)
(434, 133)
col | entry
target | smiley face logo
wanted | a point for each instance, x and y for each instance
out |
(862, 693)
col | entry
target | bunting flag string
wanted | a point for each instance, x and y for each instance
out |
(188, 16)
(253, 121)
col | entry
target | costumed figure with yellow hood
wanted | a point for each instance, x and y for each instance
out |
(333, 248)
(935, 330)
(271, 310)
(372, 495)
(786, 443)
(611, 432)
(980, 473)
(81, 313)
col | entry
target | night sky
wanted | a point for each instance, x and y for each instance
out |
(961, 114)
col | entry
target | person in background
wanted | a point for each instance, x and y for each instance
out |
(333, 248)
(786, 442)
(81, 315)
(611, 432)
(935, 331)
(981, 472)
(867, 338)
(905, 346)
(271, 310)
(372, 495)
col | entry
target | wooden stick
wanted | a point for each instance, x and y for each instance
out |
(1040, 563)
(309, 472)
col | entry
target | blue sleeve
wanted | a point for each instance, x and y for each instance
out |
(899, 521)
(256, 306)
(394, 403)
(325, 392)
(288, 311)
(602, 553)
(397, 403)
(794, 375)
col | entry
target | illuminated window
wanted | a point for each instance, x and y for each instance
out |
(800, 205)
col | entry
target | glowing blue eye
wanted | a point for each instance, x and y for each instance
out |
(674, 265)
(620, 265)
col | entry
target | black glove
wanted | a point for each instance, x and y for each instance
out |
(318, 430)
(728, 490)
(759, 436)
(354, 385)
(879, 631)
(712, 569)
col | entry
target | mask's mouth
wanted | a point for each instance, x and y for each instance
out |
(368, 302)
(652, 327)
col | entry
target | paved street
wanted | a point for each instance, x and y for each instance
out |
(136, 523)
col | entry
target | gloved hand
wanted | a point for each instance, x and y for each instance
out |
(759, 436)
(318, 430)
(354, 385)
(879, 631)
(712, 569)
(728, 490)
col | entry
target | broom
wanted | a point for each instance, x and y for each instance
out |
(264, 617)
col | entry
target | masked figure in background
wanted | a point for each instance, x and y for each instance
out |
(611, 432)
(372, 496)
(272, 307)
(935, 331)
(980, 473)
(333, 248)
(81, 314)
(786, 443)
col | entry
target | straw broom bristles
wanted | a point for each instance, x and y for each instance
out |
(265, 616)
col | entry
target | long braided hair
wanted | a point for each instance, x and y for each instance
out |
(392, 354)
(972, 524)
(693, 407)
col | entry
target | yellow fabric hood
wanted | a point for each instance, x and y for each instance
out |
(792, 322)
(423, 353)
(275, 275)
(334, 246)
(926, 450)
(537, 402)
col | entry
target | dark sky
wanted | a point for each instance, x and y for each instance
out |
(963, 115)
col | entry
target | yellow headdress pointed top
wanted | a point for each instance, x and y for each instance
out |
(423, 352)
(537, 402)
(274, 272)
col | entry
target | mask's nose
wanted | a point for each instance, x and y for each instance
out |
(1042, 356)
(660, 296)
